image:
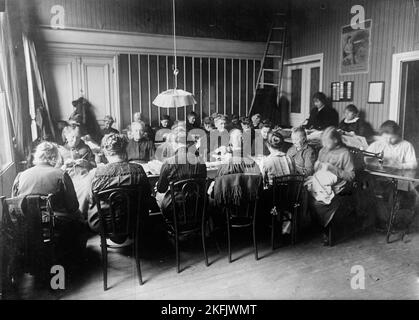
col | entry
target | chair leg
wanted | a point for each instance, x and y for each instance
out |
(104, 262)
(228, 238)
(255, 245)
(330, 234)
(177, 252)
(203, 244)
(294, 227)
(273, 233)
(137, 257)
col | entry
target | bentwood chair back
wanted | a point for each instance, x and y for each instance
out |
(119, 212)
(287, 199)
(28, 237)
(189, 204)
(244, 214)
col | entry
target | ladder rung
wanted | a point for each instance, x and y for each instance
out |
(272, 70)
(278, 28)
(276, 42)
(269, 84)
(273, 56)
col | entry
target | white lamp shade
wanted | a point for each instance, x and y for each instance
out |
(174, 98)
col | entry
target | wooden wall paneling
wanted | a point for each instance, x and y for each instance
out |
(205, 74)
(135, 83)
(124, 94)
(188, 79)
(236, 87)
(212, 86)
(154, 90)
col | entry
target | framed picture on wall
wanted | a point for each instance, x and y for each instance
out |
(376, 92)
(355, 49)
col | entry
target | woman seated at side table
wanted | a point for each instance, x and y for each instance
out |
(46, 178)
(329, 185)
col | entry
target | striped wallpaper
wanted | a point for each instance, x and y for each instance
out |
(222, 85)
(316, 30)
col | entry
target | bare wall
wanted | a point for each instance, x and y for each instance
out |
(220, 19)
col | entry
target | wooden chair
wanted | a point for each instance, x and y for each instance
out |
(121, 219)
(189, 205)
(287, 197)
(28, 237)
(244, 215)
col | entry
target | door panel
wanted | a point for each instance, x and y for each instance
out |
(97, 84)
(299, 84)
(409, 110)
(62, 86)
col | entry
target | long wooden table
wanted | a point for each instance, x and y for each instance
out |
(395, 175)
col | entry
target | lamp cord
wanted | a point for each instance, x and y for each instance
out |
(175, 70)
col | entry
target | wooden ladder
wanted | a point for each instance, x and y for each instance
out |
(273, 58)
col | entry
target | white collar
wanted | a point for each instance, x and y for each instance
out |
(351, 121)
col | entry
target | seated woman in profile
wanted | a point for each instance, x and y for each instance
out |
(328, 186)
(117, 173)
(397, 153)
(277, 163)
(46, 178)
(352, 124)
(301, 153)
(141, 146)
(400, 154)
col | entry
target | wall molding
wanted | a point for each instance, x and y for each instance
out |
(72, 40)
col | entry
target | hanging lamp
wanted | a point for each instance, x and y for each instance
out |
(174, 98)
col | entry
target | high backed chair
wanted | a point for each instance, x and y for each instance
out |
(28, 237)
(121, 218)
(240, 214)
(287, 198)
(189, 205)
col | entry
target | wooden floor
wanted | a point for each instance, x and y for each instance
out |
(304, 271)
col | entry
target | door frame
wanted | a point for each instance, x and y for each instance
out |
(395, 88)
(307, 59)
(315, 58)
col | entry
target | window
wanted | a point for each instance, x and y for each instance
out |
(5, 141)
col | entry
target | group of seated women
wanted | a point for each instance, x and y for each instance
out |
(74, 172)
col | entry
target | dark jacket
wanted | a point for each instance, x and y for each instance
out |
(303, 159)
(178, 168)
(142, 150)
(119, 174)
(43, 180)
(322, 119)
(360, 127)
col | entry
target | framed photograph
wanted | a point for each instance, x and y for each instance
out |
(376, 92)
(355, 49)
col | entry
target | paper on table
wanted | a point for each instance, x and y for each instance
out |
(152, 167)
(358, 142)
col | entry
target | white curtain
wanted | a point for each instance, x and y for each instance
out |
(34, 76)
(10, 84)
